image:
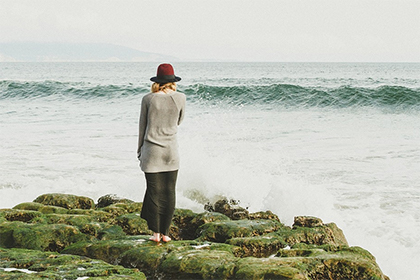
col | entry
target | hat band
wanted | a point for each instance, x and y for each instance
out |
(166, 77)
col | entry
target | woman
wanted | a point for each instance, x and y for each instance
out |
(162, 111)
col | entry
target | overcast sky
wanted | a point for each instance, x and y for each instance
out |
(257, 30)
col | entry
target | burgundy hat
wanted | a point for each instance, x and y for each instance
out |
(165, 74)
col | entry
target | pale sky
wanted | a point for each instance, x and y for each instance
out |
(240, 30)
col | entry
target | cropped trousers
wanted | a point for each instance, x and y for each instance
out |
(159, 200)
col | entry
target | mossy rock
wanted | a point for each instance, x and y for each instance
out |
(229, 208)
(55, 266)
(307, 221)
(331, 262)
(186, 228)
(222, 248)
(146, 258)
(345, 266)
(208, 217)
(107, 250)
(26, 216)
(182, 228)
(97, 215)
(44, 209)
(133, 224)
(257, 246)
(198, 264)
(109, 199)
(67, 201)
(222, 231)
(119, 209)
(74, 220)
(326, 234)
(111, 232)
(264, 215)
(267, 268)
(39, 236)
(29, 206)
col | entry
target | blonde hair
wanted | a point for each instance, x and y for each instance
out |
(156, 87)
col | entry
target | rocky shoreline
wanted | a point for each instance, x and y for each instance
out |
(62, 236)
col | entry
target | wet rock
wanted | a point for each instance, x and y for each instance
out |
(210, 244)
(133, 224)
(45, 209)
(222, 231)
(67, 201)
(258, 246)
(268, 268)
(41, 237)
(198, 264)
(32, 264)
(109, 199)
(106, 250)
(119, 209)
(183, 227)
(146, 258)
(21, 215)
(307, 221)
(332, 262)
(231, 209)
(320, 235)
(266, 215)
(74, 220)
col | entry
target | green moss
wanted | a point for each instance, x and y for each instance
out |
(97, 215)
(74, 220)
(198, 264)
(109, 250)
(20, 215)
(119, 209)
(38, 237)
(67, 201)
(222, 231)
(146, 258)
(133, 224)
(29, 206)
(44, 209)
(326, 234)
(258, 246)
(210, 245)
(55, 266)
(252, 268)
(109, 232)
(265, 215)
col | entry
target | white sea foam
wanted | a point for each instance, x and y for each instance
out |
(19, 269)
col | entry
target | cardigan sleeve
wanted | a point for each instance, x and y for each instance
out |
(142, 125)
(182, 111)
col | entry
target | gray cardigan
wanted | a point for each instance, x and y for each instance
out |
(160, 115)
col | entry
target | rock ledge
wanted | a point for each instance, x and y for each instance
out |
(66, 236)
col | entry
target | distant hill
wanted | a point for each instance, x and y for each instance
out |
(57, 52)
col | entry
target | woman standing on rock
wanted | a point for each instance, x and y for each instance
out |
(162, 111)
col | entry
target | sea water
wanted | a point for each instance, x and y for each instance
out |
(340, 141)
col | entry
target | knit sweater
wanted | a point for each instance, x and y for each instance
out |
(160, 115)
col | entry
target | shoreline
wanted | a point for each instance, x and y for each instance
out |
(224, 242)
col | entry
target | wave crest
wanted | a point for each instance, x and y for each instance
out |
(287, 95)
(277, 95)
(55, 89)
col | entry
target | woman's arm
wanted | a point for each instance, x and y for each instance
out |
(142, 125)
(182, 110)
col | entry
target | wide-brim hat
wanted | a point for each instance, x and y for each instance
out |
(165, 74)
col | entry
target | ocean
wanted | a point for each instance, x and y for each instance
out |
(339, 141)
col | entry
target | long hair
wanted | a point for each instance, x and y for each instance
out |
(156, 87)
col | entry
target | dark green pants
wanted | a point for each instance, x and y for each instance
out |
(159, 200)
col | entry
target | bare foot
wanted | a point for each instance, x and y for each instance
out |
(166, 238)
(155, 237)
